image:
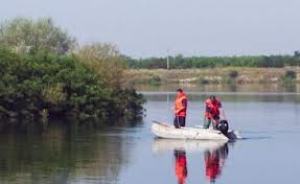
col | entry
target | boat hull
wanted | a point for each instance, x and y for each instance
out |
(164, 130)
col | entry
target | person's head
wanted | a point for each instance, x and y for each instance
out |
(212, 97)
(179, 90)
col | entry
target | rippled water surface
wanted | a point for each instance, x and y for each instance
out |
(269, 122)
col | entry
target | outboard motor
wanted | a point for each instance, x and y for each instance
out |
(223, 127)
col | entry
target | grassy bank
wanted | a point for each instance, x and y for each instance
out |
(238, 75)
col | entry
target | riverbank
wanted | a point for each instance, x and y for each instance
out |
(227, 75)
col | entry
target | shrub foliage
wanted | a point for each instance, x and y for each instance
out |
(62, 86)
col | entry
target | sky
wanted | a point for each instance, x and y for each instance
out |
(144, 28)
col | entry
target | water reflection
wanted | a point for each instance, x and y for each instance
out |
(164, 145)
(180, 166)
(260, 87)
(214, 162)
(63, 154)
(214, 152)
(227, 97)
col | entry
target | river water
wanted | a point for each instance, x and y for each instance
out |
(269, 121)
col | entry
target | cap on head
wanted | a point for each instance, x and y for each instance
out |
(179, 90)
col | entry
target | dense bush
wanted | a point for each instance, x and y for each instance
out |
(290, 74)
(233, 74)
(40, 78)
(61, 86)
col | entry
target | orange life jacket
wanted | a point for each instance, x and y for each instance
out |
(213, 108)
(180, 108)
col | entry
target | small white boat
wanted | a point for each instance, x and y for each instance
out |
(164, 130)
(164, 145)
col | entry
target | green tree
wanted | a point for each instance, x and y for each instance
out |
(27, 35)
(61, 86)
(105, 60)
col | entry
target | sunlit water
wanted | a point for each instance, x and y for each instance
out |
(269, 122)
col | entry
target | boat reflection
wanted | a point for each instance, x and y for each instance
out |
(215, 154)
(164, 145)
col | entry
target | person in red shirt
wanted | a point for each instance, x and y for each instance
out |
(213, 111)
(180, 166)
(180, 108)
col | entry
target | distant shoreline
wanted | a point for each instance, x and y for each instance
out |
(226, 75)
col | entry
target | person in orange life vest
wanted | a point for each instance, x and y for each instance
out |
(180, 166)
(214, 162)
(180, 108)
(213, 110)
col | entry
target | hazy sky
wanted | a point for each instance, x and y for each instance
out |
(144, 28)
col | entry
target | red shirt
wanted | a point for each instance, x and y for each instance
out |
(212, 108)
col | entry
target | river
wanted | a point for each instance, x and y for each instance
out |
(268, 119)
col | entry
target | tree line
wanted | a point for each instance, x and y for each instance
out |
(181, 62)
(45, 74)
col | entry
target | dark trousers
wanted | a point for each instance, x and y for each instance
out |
(179, 121)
